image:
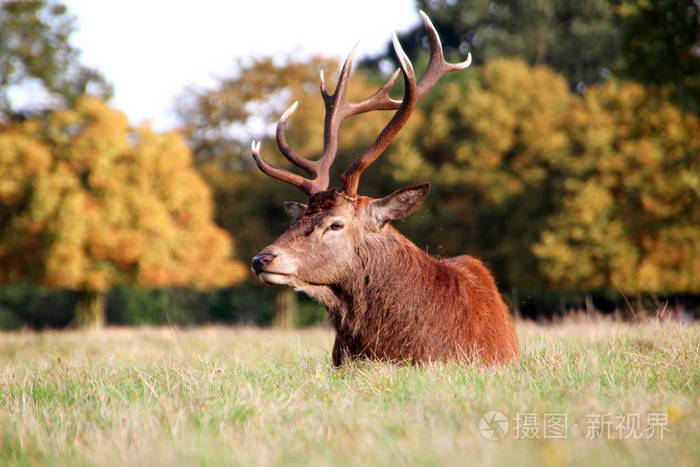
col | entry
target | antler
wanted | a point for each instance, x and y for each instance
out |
(437, 68)
(338, 109)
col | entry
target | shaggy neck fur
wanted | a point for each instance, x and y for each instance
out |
(395, 299)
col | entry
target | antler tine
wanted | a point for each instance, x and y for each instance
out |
(437, 66)
(336, 110)
(351, 177)
(380, 100)
(292, 156)
(280, 174)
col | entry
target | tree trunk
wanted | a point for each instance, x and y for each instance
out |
(515, 303)
(90, 311)
(285, 308)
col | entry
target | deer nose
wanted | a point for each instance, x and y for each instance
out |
(258, 263)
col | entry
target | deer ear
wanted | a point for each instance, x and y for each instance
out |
(400, 204)
(294, 209)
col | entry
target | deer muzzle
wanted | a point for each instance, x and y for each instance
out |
(273, 266)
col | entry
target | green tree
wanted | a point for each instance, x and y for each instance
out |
(36, 54)
(578, 39)
(630, 218)
(88, 203)
(661, 46)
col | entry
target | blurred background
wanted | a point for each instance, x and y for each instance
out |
(567, 156)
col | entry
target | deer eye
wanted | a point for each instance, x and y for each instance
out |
(336, 225)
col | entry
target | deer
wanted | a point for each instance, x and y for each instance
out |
(386, 298)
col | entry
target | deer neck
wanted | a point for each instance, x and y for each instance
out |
(391, 277)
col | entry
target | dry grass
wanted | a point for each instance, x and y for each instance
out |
(221, 396)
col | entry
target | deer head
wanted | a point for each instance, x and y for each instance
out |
(329, 237)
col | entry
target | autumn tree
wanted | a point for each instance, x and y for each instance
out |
(86, 203)
(631, 209)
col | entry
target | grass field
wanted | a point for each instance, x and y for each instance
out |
(220, 396)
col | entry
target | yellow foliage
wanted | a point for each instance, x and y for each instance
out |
(92, 203)
(631, 213)
(502, 129)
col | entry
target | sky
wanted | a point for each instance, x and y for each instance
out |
(151, 50)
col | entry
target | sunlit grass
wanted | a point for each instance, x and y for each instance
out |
(220, 396)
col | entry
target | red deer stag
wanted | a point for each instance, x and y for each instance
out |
(386, 298)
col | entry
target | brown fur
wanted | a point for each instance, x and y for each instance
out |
(386, 298)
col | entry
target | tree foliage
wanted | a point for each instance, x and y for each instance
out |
(35, 53)
(631, 209)
(88, 203)
(661, 46)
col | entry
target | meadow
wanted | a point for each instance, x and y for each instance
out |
(589, 391)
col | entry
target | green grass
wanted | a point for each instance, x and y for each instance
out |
(220, 396)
